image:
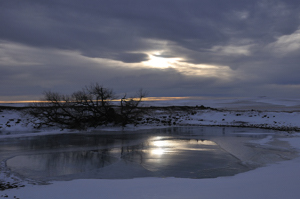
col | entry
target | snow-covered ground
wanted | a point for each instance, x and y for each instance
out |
(279, 180)
(282, 114)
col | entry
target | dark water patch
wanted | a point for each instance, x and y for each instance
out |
(58, 164)
(185, 152)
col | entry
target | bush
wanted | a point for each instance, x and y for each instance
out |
(90, 107)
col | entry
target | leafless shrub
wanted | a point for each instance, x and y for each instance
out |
(90, 107)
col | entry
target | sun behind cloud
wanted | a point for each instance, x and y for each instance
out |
(189, 69)
(157, 61)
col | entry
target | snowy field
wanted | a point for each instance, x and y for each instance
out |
(263, 112)
(278, 180)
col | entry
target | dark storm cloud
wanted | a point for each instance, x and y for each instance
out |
(103, 27)
(131, 57)
(257, 39)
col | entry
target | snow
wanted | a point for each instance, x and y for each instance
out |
(278, 180)
(282, 114)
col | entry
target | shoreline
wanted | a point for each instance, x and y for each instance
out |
(13, 120)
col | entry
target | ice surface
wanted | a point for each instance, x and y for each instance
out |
(275, 181)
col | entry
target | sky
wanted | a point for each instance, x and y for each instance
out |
(170, 48)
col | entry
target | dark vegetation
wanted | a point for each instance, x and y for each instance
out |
(8, 185)
(92, 106)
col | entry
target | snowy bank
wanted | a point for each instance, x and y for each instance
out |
(280, 114)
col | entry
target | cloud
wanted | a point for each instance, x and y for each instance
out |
(170, 47)
(286, 44)
(68, 71)
(132, 57)
(232, 50)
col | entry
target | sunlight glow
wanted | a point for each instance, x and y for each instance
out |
(144, 99)
(161, 143)
(156, 61)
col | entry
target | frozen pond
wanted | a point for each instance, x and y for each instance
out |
(185, 152)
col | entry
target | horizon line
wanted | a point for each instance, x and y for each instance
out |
(144, 99)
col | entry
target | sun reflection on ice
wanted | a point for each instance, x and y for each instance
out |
(159, 151)
(162, 146)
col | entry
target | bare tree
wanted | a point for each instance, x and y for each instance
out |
(128, 107)
(90, 107)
